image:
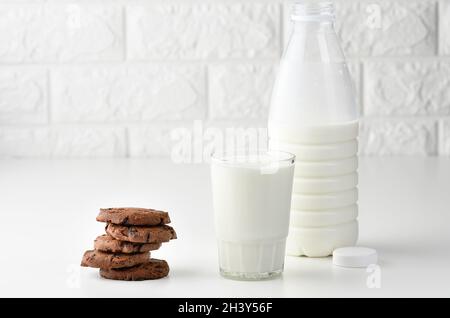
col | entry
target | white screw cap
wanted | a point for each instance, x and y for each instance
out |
(354, 256)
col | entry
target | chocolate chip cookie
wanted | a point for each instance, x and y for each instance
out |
(141, 234)
(99, 259)
(133, 216)
(152, 269)
(107, 243)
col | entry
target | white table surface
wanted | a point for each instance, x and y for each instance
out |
(48, 210)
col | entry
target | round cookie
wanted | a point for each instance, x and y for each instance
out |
(99, 259)
(133, 216)
(152, 269)
(107, 243)
(141, 234)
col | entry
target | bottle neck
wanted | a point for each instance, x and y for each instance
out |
(313, 27)
(313, 12)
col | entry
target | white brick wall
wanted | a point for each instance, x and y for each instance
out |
(407, 88)
(240, 91)
(62, 142)
(398, 137)
(387, 27)
(60, 33)
(445, 137)
(113, 78)
(23, 95)
(203, 30)
(128, 93)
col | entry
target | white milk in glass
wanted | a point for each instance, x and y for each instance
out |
(314, 115)
(252, 200)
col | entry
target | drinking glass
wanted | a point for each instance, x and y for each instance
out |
(252, 199)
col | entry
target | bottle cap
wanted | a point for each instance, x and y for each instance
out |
(354, 256)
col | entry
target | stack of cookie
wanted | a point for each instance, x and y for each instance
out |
(123, 253)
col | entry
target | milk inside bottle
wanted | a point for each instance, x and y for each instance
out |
(314, 115)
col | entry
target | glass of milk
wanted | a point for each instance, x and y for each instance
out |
(252, 200)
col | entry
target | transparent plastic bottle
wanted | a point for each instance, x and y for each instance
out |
(314, 115)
